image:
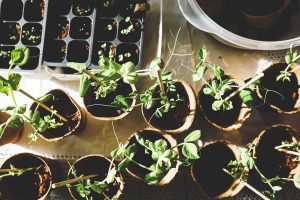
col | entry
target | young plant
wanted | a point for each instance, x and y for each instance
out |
(13, 171)
(9, 86)
(222, 84)
(291, 58)
(164, 157)
(130, 28)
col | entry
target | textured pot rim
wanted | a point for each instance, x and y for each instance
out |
(173, 171)
(191, 115)
(43, 161)
(244, 114)
(296, 108)
(236, 186)
(121, 188)
(18, 131)
(292, 133)
(119, 117)
(80, 123)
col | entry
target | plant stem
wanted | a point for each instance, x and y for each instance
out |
(258, 76)
(138, 164)
(249, 186)
(289, 152)
(161, 84)
(91, 75)
(74, 180)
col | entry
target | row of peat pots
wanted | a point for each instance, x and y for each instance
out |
(64, 31)
(218, 168)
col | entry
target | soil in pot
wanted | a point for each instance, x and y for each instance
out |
(10, 33)
(80, 28)
(129, 31)
(260, 8)
(288, 89)
(101, 49)
(94, 165)
(127, 8)
(64, 106)
(78, 51)
(176, 117)
(55, 51)
(142, 157)
(107, 8)
(34, 184)
(5, 52)
(221, 118)
(59, 7)
(208, 170)
(34, 59)
(11, 10)
(94, 107)
(83, 7)
(106, 29)
(34, 10)
(31, 34)
(57, 28)
(127, 52)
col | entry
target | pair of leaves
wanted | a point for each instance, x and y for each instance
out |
(189, 149)
(222, 105)
(155, 66)
(19, 56)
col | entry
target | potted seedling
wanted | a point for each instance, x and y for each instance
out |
(126, 52)
(34, 10)
(107, 8)
(101, 49)
(31, 34)
(83, 7)
(284, 79)
(80, 28)
(224, 101)
(208, 171)
(129, 30)
(25, 176)
(105, 29)
(11, 33)
(168, 104)
(132, 8)
(109, 92)
(262, 15)
(93, 177)
(153, 157)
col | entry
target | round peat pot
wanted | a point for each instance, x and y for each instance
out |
(270, 161)
(208, 171)
(262, 14)
(83, 7)
(178, 119)
(102, 109)
(145, 158)
(55, 51)
(11, 10)
(129, 31)
(95, 164)
(68, 108)
(106, 8)
(10, 33)
(78, 51)
(10, 135)
(286, 98)
(31, 34)
(5, 56)
(31, 185)
(80, 28)
(106, 29)
(127, 52)
(102, 49)
(57, 28)
(212, 8)
(34, 59)
(228, 120)
(34, 10)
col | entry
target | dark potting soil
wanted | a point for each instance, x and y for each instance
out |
(134, 35)
(59, 7)
(260, 7)
(78, 51)
(95, 165)
(176, 117)
(11, 10)
(95, 106)
(80, 28)
(57, 28)
(34, 10)
(10, 33)
(107, 8)
(105, 29)
(288, 90)
(142, 157)
(208, 170)
(83, 7)
(32, 34)
(34, 59)
(5, 56)
(124, 49)
(63, 105)
(55, 51)
(127, 8)
(30, 185)
(222, 118)
(101, 49)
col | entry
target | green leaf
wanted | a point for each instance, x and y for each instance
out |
(14, 80)
(296, 179)
(77, 66)
(193, 136)
(1, 130)
(19, 56)
(218, 72)
(196, 77)
(84, 84)
(8, 108)
(217, 105)
(123, 164)
(21, 109)
(201, 69)
(202, 53)
(160, 145)
(208, 91)
(110, 178)
(247, 160)
(277, 188)
(35, 118)
(15, 121)
(247, 97)
(5, 90)
(153, 177)
(46, 98)
(190, 151)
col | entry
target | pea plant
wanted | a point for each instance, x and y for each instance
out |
(164, 157)
(9, 86)
(13, 171)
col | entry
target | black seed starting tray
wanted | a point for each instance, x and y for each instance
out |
(62, 31)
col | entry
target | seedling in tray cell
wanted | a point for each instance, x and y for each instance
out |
(31, 34)
(105, 30)
(83, 7)
(34, 10)
(59, 7)
(78, 51)
(5, 52)
(129, 30)
(80, 28)
(100, 49)
(10, 33)
(107, 8)
(127, 52)
(133, 8)
(11, 10)
(55, 51)
(57, 28)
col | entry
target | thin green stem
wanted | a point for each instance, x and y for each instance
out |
(138, 164)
